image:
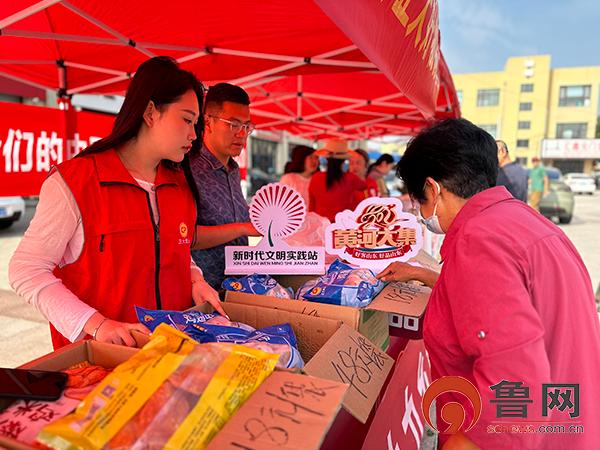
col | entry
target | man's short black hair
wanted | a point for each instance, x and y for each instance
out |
(454, 152)
(224, 92)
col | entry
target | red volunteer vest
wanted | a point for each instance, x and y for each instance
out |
(125, 261)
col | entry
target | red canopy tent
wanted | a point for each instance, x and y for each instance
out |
(303, 71)
(94, 46)
(353, 105)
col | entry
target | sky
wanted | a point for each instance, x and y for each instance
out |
(479, 35)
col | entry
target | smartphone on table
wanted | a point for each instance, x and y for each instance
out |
(32, 384)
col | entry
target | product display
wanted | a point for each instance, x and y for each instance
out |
(278, 339)
(257, 284)
(343, 285)
(173, 394)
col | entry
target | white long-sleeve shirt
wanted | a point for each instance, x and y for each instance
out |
(55, 238)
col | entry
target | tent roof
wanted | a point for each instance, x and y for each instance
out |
(355, 105)
(94, 46)
(101, 43)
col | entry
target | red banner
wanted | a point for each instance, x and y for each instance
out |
(401, 37)
(399, 421)
(34, 138)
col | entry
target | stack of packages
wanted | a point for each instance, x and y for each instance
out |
(173, 393)
(342, 285)
(278, 339)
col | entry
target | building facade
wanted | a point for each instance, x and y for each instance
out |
(530, 106)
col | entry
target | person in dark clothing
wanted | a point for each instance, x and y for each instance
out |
(223, 217)
(511, 174)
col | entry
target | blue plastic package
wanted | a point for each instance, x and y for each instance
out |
(257, 284)
(345, 286)
(204, 328)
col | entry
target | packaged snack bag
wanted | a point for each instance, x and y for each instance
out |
(174, 393)
(279, 339)
(257, 284)
(344, 285)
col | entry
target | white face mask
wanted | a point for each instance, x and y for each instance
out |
(433, 223)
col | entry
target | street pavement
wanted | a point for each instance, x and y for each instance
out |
(24, 333)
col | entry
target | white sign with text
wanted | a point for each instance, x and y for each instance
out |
(277, 211)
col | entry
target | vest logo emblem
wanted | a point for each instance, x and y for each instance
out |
(183, 230)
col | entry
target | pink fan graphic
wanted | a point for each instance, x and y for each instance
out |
(277, 211)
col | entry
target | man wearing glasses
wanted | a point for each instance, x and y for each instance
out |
(222, 210)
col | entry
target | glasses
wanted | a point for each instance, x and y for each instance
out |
(236, 126)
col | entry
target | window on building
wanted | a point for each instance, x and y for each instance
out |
(490, 128)
(527, 87)
(459, 96)
(525, 106)
(524, 125)
(523, 143)
(488, 97)
(571, 130)
(575, 95)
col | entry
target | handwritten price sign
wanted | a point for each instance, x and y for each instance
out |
(280, 412)
(353, 360)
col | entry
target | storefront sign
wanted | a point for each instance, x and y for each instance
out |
(375, 234)
(277, 211)
(571, 148)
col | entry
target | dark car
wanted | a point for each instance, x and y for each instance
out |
(560, 200)
(596, 176)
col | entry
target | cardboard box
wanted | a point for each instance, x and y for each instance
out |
(311, 402)
(369, 322)
(287, 411)
(398, 309)
(334, 352)
(330, 349)
(97, 353)
(408, 302)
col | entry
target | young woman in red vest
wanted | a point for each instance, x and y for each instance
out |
(114, 226)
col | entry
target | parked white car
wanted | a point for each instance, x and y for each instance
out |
(580, 183)
(11, 210)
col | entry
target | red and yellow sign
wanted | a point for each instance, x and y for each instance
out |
(375, 234)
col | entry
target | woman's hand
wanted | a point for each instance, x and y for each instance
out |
(399, 271)
(202, 293)
(113, 332)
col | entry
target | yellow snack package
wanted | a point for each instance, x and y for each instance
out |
(174, 393)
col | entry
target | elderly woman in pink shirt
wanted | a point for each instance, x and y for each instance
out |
(512, 303)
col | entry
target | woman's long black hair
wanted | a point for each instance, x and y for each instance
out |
(334, 171)
(299, 155)
(161, 81)
(385, 158)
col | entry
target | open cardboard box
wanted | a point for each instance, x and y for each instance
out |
(97, 353)
(370, 323)
(330, 349)
(399, 309)
(343, 369)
